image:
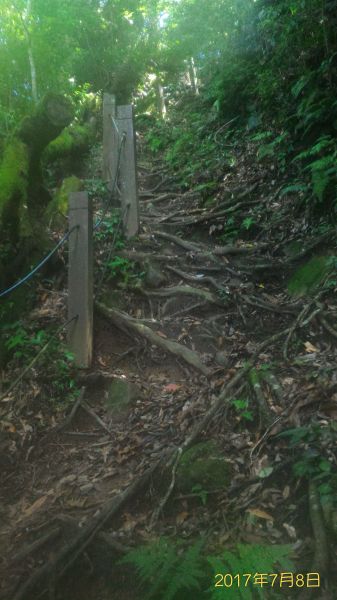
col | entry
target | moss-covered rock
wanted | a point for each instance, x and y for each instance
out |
(122, 395)
(308, 277)
(202, 465)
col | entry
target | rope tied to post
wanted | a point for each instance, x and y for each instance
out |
(31, 273)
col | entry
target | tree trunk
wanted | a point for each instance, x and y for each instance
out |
(160, 99)
(194, 77)
(30, 50)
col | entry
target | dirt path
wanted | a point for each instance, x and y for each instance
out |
(219, 303)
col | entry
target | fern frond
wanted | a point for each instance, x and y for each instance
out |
(323, 142)
(166, 571)
(250, 559)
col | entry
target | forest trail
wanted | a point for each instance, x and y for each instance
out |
(228, 313)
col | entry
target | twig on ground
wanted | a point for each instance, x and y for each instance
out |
(98, 420)
(327, 326)
(29, 549)
(165, 499)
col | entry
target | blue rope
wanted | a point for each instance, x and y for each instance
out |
(43, 262)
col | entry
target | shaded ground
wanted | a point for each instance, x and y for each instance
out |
(56, 482)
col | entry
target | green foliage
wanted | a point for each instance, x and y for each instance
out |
(323, 169)
(170, 571)
(248, 559)
(110, 228)
(56, 362)
(241, 406)
(168, 568)
(247, 223)
(22, 342)
(198, 490)
(310, 461)
(120, 267)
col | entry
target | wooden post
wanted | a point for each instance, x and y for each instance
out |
(80, 278)
(110, 140)
(128, 171)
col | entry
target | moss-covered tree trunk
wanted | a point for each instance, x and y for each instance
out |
(22, 194)
(23, 199)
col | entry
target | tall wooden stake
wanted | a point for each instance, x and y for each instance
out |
(110, 140)
(80, 279)
(128, 171)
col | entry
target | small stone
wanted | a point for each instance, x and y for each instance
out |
(154, 277)
(122, 395)
(221, 359)
(88, 487)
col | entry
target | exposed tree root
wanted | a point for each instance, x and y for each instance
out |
(178, 241)
(125, 322)
(321, 558)
(185, 290)
(68, 554)
(274, 385)
(143, 256)
(328, 327)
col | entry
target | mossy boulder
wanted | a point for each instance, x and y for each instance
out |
(204, 466)
(308, 277)
(122, 395)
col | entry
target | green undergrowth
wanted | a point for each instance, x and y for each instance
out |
(175, 570)
(56, 384)
(308, 446)
(188, 145)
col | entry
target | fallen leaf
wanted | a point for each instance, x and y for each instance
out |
(310, 348)
(261, 514)
(161, 334)
(181, 517)
(172, 387)
(35, 506)
(291, 531)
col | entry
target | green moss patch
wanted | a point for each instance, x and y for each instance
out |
(59, 206)
(13, 190)
(74, 139)
(308, 277)
(204, 466)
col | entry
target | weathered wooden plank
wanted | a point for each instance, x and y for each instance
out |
(80, 278)
(128, 171)
(110, 140)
